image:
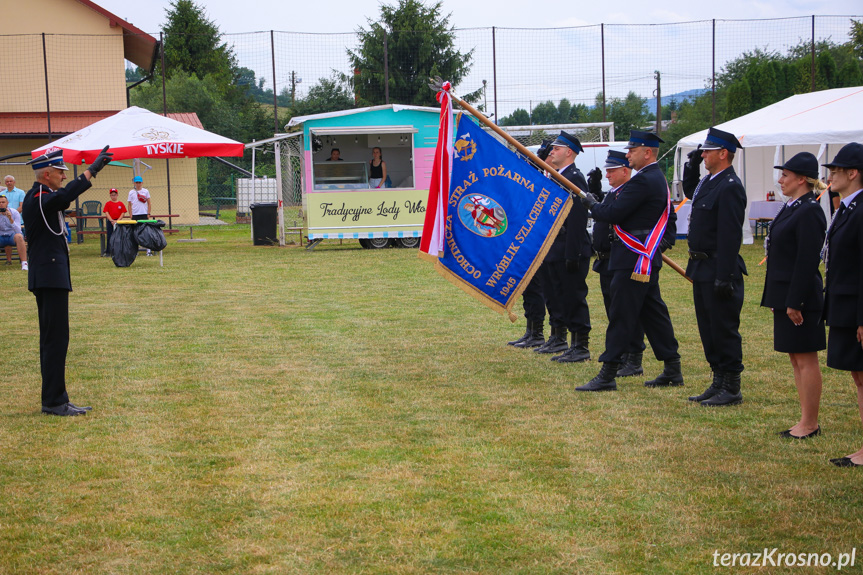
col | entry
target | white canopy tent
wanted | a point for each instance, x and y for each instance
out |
(818, 122)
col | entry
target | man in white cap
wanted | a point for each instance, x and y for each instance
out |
(49, 277)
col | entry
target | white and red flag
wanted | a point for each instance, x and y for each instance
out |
(432, 241)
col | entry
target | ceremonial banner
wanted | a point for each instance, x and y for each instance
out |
(502, 217)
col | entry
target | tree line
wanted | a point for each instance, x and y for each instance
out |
(202, 76)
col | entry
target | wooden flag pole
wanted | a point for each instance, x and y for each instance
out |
(437, 83)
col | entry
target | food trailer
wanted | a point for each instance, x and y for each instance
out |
(325, 167)
(338, 201)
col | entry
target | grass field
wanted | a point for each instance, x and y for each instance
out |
(274, 410)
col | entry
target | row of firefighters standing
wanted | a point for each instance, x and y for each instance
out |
(634, 223)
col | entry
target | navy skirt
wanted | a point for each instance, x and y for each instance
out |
(805, 338)
(843, 350)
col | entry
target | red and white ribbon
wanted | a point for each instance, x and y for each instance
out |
(432, 240)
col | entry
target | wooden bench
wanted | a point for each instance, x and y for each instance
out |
(102, 237)
(169, 229)
(762, 225)
(12, 254)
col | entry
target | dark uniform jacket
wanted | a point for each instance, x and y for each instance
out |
(637, 207)
(716, 228)
(843, 300)
(48, 253)
(603, 234)
(793, 254)
(575, 242)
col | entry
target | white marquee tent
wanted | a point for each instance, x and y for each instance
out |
(818, 122)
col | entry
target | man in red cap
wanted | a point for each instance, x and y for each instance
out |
(113, 210)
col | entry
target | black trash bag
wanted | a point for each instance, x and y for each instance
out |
(150, 236)
(124, 247)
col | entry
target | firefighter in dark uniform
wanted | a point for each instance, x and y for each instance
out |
(49, 278)
(533, 298)
(639, 210)
(567, 264)
(715, 264)
(618, 172)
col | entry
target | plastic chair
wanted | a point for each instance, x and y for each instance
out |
(91, 208)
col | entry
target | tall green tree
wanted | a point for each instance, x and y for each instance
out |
(193, 44)
(519, 117)
(627, 113)
(544, 113)
(739, 99)
(328, 95)
(419, 44)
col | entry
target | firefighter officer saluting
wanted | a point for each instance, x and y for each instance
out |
(49, 277)
(715, 264)
(640, 214)
(565, 269)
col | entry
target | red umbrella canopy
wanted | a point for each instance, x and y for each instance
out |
(139, 133)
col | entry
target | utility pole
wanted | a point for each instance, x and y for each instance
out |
(658, 103)
(294, 82)
(484, 98)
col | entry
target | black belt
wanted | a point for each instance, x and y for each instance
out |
(602, 255)
(700, 255)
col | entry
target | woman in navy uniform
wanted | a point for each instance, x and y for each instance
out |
(716, 268)
(49, 277)
(793, 287)
(843, 263)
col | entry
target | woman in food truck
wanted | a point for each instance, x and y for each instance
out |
(377, 169)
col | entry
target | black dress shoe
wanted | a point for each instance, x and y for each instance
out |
(64, 409)
(845, 462)
(787, 434)
(85, 408)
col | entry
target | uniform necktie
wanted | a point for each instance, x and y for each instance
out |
(698, 187)
(826, 255)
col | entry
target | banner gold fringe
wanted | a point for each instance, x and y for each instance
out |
(427, 257)
(643, 278)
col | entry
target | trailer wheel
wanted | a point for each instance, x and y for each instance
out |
(410, 243)
(364, 243)
(378, 243)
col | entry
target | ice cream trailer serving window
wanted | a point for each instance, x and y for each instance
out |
(341, 156)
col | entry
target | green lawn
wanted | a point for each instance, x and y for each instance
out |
(274, 410)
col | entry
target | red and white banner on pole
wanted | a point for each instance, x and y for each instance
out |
(431, 243)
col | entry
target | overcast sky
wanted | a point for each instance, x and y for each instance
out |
(346, 15)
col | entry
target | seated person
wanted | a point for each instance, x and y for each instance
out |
(10, 230)
(15, 195)
(334, 155)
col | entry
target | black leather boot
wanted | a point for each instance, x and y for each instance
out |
(556, 342)
(524, 337)
(536, 337)
(729, 394)
(604, 381)
(671, 376)
(631, 365)
(715, 387)
(577, 352)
